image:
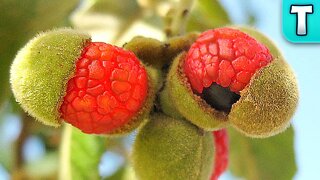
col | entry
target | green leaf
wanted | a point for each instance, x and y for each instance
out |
(207, 14)
(264, 159)
(80, 155)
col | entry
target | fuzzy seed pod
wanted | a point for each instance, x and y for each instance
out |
(271, 98)
(61, 75)
(41, 70)
(157, 53)
(168, 148)
(230, 77)
(188, 104)
(167, 106)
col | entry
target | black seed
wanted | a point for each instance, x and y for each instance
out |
(219, 98)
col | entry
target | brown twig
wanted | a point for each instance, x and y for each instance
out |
(18, 153)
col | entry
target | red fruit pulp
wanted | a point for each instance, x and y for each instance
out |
(224, 56)
(108, 89)
(221, 143)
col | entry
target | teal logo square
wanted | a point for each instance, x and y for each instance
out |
(301, 21)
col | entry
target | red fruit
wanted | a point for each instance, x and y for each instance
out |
(221, 144)
(224, 56)
(108, 89)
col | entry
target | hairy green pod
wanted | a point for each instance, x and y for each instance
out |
(156, 53)
(188, 104)
(264, 109)
(268, 103)
(168, 148)
(41, 70)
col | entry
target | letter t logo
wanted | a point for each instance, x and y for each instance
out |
(301, 11)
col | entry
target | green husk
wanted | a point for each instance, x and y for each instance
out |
(156, 53)
(268, 103)
(188, 104)
(41, 69)
(168, 148)
(149, 50)
(167, 106)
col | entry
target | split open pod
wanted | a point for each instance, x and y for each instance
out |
(61, 75)
(233, 76)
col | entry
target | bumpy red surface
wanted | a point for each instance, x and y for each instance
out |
(221, 143)
(109, 87)
(224, 56)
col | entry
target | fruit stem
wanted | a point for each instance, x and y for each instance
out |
(19, 161)
(177, 18)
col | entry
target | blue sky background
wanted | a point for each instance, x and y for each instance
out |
(303, 58)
